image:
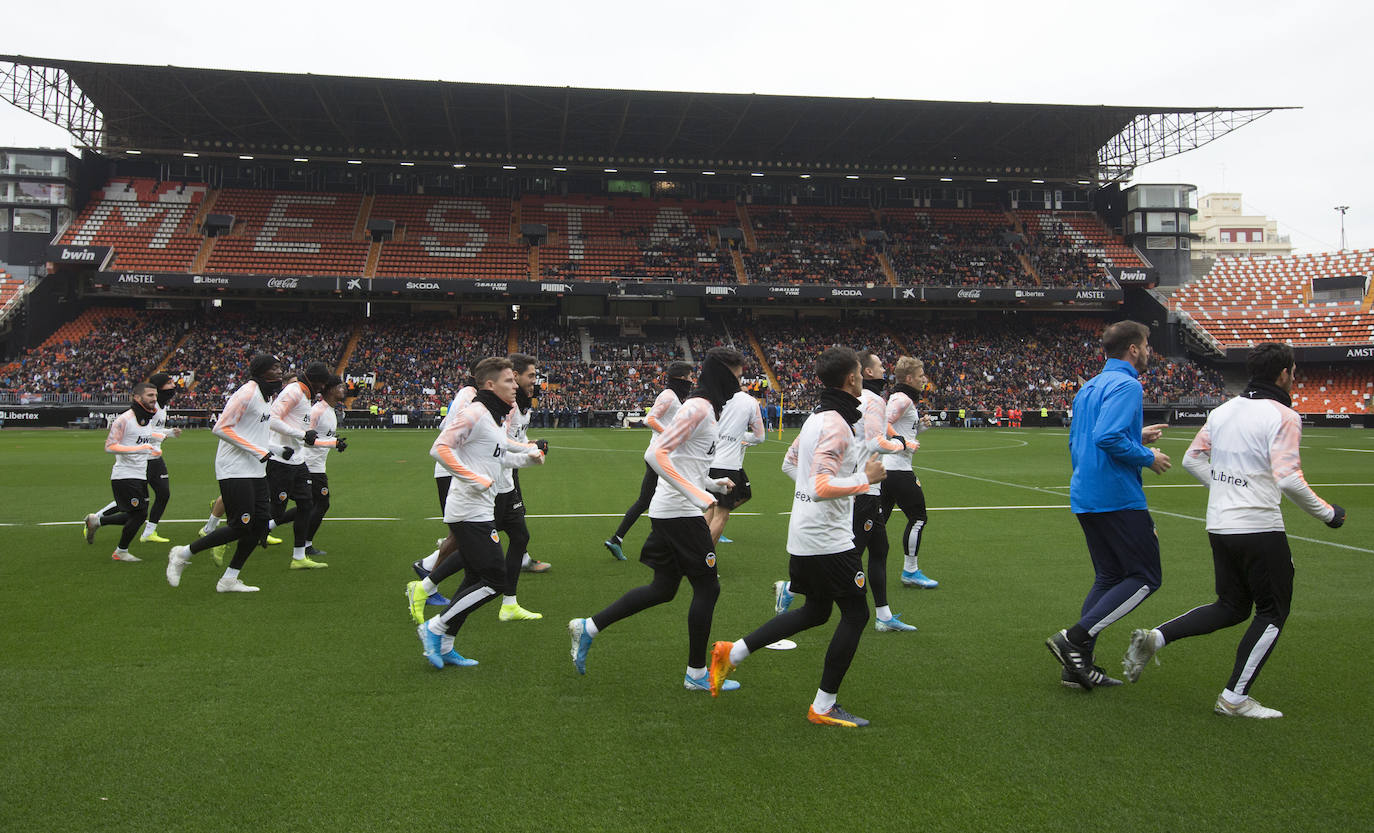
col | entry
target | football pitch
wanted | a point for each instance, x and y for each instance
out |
(129, 705)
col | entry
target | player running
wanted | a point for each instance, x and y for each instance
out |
(324, 421)
(740, 426)
(664, 409)
(245, 445)
(830, 465)
(158, 479)
(679, 543)
(902, 488)
(473, 448)
(130, 440)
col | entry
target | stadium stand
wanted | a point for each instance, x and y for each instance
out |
(1080, 230)
(419, 363)
(282, 232)
(797, 244)
(216, 351)
(1333, 389)
(97, 357)
(1243, 301)
(450, 238)
(149, 224)
(600, 238)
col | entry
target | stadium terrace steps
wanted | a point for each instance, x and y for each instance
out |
(763, 359)
(172, 351)
(349, 347)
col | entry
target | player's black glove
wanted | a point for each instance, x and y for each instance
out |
(342, 445)
(287, 452)
(543, 446)
(311, 436)
(1338, 518)
(899, 438)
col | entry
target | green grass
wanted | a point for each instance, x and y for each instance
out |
(126, 705)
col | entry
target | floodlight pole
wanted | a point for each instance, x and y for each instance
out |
(1342, 209)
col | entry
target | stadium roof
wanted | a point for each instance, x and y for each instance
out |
(113, 108)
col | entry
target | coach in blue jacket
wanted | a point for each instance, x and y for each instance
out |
(1107, 442)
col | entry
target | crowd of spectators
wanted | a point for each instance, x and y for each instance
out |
(216, 353)
(1019, 362)
(121, 350)
(418, 364)
(1058, 260)
(814, 249)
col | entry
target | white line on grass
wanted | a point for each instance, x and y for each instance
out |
(1356, 450)
(191, 521)
(1290, 535)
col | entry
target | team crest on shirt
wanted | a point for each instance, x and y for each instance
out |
(245, 518)
(495, 537)
(860, 579)
(868, 525)
(710, 559)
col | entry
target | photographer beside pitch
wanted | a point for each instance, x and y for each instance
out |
(1247, 457)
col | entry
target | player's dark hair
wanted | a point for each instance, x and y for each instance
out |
(728, 356)
(1266, 361)
(835, 364)
(679, 370)
(520, 362)
(1119, 337)
(141, 387)
(317, 374)
(866, 358)
(490, 368)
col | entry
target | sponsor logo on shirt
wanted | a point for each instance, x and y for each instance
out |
(1223, 477)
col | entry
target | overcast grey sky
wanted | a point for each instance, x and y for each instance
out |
(1294, 166)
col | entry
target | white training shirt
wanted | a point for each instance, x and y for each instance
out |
(132, 446)
(515, 426)
(904, 419)
(460, 401)
(244, 431)
(158, 424)
(826, 461)
(473, 448)
(324, 420)
(1247, 456)
(663, 411)
(740, 425)
(876, 431)
(290, 419)
(682, 457)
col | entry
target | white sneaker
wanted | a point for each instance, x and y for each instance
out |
(1141, 650)
(177, 559)
(124, 556)
(234, 585)
(1249, 707)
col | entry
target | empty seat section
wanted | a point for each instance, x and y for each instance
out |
(1244, 301)
(450, 237)
(289, 233)
(147, 223)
